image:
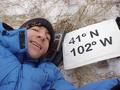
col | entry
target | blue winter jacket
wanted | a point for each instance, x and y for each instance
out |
(15, 75)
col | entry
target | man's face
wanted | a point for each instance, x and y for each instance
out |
(38, 41)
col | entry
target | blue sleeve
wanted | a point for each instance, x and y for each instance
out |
(101, 85)
(8, 62)
(62, 84)
(9, 45)
(59, 82)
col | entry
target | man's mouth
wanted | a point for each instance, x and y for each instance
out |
(36, 44)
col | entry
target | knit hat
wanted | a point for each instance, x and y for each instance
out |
(40, 22)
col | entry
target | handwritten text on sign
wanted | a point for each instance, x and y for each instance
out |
(90, 44)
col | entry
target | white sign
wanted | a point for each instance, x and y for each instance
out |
(91, 44)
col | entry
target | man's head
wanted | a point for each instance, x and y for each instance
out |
(40, 37)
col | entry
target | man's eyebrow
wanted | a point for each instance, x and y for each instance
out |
(48, 33)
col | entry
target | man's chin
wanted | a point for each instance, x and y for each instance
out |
(34, 55)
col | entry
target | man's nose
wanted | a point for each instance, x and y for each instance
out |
(42, 36)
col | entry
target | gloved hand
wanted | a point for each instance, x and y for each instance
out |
(14, 40)
(107, 84)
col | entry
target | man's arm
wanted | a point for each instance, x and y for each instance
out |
(59, 83)
(14, 40)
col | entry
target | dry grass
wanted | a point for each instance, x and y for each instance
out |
(90, 13)
(65, 24)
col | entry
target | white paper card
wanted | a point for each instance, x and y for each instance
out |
(91, 44)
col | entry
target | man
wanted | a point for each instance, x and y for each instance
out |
(23, 62)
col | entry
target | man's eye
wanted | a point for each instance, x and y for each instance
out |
(48, 38)
(35, 30)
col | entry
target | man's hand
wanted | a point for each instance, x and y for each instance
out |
(14, 40)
